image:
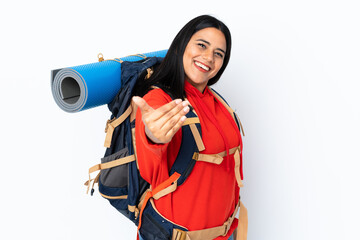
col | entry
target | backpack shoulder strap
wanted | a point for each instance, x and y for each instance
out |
(191, 143)
(231, 111)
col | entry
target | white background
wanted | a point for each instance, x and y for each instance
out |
(293, 78)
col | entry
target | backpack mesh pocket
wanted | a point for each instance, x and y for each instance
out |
(115, 176)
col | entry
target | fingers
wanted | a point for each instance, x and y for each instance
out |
(175, 119)
(165, 134)
(166, 109)
(162, 123)
(163, 113)
(172, 122)
(171, 132)
(173, 115)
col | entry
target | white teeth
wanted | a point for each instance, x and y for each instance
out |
(202, 66)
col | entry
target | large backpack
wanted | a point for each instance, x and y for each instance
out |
(119, 179)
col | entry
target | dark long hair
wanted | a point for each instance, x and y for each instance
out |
(169, 75)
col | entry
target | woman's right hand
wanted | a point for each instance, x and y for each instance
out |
(162, 123)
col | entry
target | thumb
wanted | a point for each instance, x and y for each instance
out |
(142, 104)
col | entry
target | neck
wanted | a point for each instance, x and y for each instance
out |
(200, 87)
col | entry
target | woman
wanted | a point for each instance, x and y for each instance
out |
(195, 60)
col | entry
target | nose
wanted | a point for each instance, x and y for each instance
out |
(208, 56)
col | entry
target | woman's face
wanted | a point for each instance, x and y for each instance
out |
(204, 56)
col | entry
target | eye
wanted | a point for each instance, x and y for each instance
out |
(219, 54)
(201, 45)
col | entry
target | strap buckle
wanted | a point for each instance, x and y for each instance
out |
(150, 71)
(178, 234)
(227, 225)
(108, 122)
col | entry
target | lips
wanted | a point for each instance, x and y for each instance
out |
(201, 66)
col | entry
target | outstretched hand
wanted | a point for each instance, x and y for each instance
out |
(162, 123)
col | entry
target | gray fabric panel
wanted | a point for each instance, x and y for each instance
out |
(116, 176)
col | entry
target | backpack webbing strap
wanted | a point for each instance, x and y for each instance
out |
(114, 197)
(241, 126)
(192, 123)
(232, 112)
(142, 198)
(208, 233)
(133, 139)
(237, 120)
(113, 123)
(132, 208)
(213, 158)
(242, 229)
(197, 137)
(191, 120)
(237, 167)
(218, 158)
(160, 191)
(107, 165)
(136, 209)
(166, 191)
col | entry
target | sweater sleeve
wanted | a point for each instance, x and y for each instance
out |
(155, 160)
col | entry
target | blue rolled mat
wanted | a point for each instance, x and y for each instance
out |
(86, 86)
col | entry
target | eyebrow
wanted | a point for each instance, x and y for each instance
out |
(210, 44)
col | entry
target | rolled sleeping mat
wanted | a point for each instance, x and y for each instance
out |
(86, 86)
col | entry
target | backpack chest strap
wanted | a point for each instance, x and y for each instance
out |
(218, 159)
(213, 158)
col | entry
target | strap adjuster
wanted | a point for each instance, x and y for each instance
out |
(108, 122)
(227, 225)
(195, 156)
(179, 234)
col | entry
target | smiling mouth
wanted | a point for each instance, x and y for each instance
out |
(202, 66)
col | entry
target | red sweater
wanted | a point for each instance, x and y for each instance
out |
(209, 195)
